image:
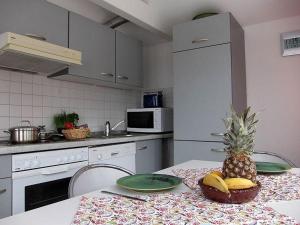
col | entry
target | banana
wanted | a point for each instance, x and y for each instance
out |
(218, 173)
(215, 181)
(239, 183)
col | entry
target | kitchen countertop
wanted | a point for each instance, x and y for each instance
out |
(6, 148)
(64, 211)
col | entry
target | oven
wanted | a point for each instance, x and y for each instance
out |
(42, 178)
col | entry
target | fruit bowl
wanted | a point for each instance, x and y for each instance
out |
(237, 196)
(76, 133)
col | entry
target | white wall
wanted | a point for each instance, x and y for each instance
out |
(158, 70)
(36, 98)
(273, 84)
(273, 87)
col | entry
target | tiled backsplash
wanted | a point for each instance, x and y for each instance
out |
(37, 98)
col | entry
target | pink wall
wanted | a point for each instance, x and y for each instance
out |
(273, 87)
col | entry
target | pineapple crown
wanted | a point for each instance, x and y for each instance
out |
(240, 132)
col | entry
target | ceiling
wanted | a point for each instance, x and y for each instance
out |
(247, 12)
(149, 16)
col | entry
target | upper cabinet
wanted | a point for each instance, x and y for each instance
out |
(97, 44)
(128, 60)
(36, 17)
(203, 32)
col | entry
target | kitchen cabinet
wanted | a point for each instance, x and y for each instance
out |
(128, 60)
(97, 44)
(203, 32)
(148, 156)
(193, 150)
(5, 166)
(209, 76)
(5, 197)
(36, 17)
(5, 186)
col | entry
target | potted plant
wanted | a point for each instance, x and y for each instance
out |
(64, 120)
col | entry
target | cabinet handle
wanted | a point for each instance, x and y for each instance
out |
(107, 74)
(217, 134)
(217, 150)
(2, 191)
(123, 77)
(114, 153)
(35, 36)
(199, 40)
(142, 148)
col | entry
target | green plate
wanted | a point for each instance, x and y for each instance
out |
(149, 182)
(269, 167)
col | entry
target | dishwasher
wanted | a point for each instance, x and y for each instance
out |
(122, 155)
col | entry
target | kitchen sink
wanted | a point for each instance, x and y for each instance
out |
(113, 134)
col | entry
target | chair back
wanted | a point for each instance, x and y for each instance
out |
(95, 177)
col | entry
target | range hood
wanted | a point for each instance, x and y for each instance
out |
(27, 54)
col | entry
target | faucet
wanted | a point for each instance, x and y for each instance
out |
(108, 129)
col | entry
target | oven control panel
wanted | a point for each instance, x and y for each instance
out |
(27, 161)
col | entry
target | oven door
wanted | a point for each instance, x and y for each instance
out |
(142, 121)
(40, 187)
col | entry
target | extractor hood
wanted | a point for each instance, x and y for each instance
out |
(27, 54)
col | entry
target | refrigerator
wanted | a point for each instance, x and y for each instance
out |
(207, 81)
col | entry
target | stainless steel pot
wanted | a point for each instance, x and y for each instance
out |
(24, 134)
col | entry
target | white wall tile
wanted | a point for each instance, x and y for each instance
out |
(26, 111)
(37, 98)
(4, 98)
(27, 100)
(14, 121)
(4, 110)
(15, 76)
(37, 89)
(5, 75)
(26, 88)
(27, 78)
(37, 79)
(15, 87)
(15, 111)
(37, 111)
(4, 86)
(15, 99)
(4, 123)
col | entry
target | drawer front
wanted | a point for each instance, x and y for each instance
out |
(204, 32)
(5, 166)
(5, 197)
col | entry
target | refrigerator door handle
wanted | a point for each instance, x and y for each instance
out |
(217, 150)
(217, 134)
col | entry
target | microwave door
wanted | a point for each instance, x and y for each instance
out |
(141, 120)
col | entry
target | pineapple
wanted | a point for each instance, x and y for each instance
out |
(239, 138)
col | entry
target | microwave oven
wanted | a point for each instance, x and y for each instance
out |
(150, 120)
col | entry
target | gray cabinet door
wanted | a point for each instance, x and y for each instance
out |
(5, 166)
(202, 92)
(203, 32)
(148, 156)
(97, 44)
(5, 197)
(35, 17)
(193, 150)
(128, 60)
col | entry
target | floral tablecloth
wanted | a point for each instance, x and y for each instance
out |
(192, 208)
(174, 209)
(276, 187)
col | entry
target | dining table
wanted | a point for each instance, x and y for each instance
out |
(63, 212)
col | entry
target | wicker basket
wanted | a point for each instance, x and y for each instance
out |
(75, 134)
